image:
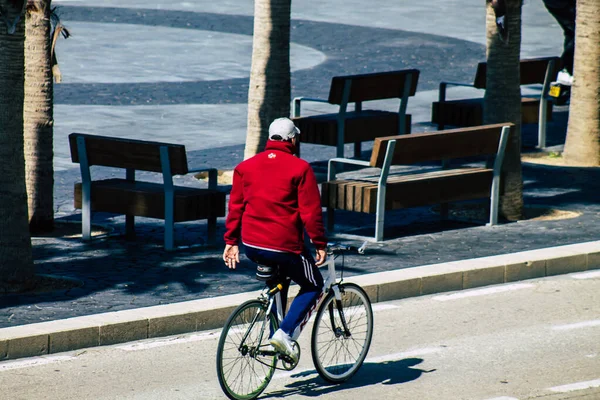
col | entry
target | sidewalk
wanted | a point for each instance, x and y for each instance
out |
(197, 98)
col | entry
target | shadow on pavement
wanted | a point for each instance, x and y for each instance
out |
(384, 373)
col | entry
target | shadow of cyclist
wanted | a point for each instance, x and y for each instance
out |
(385, 373)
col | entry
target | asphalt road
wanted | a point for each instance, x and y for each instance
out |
(533, 339)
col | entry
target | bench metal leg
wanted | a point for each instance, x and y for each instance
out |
(169, 228)
(86, 191)
(379, 225)
(495, 189)
(380, 215)
(169, 198)
(382, 190)
(542, 123)
(494, 200)
(86, 220)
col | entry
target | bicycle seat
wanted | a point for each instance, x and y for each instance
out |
(265, 272)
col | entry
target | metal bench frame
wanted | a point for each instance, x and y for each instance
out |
(343, 107)
(382, 184)
(544, 99)
(86, 210)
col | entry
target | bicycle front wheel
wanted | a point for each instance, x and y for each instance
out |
(338, 348)
(245, 365)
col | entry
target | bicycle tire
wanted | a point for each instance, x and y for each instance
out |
(337, 357)
(235, 362)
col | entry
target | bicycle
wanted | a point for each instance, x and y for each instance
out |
(340, 341)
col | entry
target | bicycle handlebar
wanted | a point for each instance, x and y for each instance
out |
(337, 247)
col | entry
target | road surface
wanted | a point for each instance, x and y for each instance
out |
(532, 339)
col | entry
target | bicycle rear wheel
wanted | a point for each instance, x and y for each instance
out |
(338, 353)
(244, 365)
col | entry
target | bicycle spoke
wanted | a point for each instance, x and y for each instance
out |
(337, 357)
(243, 371)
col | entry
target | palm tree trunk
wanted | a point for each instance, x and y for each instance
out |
(38, 116)
(16, 261)
(270, 88)
(502, 102)
(582, 146)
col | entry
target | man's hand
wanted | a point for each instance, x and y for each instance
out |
(320, 257)
(231, 255)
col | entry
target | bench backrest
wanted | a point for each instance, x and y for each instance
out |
(439, 145)
(532, 71)
(375, 86)
(128, 153)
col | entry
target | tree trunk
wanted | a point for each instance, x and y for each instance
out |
(38, 116)
(16, 261)
(582, 146)
(502, 102)
(270, 88)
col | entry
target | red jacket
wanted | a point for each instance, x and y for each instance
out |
(275, 197)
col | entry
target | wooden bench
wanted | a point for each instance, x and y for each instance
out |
(139, 198)
(360, 125)
(469, 112)
(440, 184)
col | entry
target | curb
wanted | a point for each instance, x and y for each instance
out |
(197, 315)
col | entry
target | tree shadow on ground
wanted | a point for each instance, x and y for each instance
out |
(384, 373)
(398, 223)
(117, 274)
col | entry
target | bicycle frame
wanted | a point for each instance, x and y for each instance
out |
(273, 298)
(329, 283)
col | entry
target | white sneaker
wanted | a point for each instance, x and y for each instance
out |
(564, 78)
(283, 344)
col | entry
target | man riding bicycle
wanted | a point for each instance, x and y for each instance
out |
(274, 199)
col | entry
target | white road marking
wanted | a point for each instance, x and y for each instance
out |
(32, 362)
(578, 325)
(168, 342)
(576, 386)
(587, 275)
(379, 359)
(383, 307)
(483, 292)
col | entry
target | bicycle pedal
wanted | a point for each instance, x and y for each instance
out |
(287, 362)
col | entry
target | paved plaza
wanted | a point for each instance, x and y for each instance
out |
(177, 71)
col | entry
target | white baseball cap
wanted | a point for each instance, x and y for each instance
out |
(283, 129)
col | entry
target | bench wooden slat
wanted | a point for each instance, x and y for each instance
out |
(374, 86)
(530, 110)
(128, 153)
(146, 199)
(341, 196)
(410, 190)
(434, 190)
(432, 146)
(469, 112)
(532, 71)
(359, 127)
(357, 204)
